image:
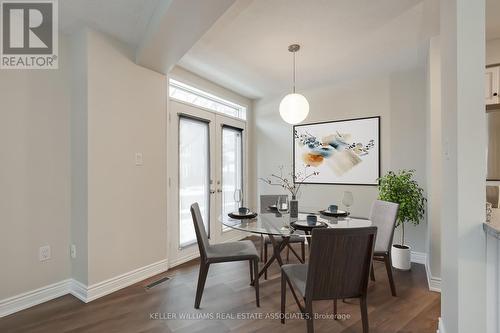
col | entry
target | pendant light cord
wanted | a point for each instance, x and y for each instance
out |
(294, 72)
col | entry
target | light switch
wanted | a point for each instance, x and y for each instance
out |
(138, 159)
(446, 150)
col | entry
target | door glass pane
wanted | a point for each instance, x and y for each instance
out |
(232, 168)
(194, 175)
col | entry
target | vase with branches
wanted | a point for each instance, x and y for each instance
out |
(289, 181)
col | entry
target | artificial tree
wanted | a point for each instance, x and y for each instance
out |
(401, 188)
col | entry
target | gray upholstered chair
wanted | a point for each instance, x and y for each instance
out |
(339, 267)
(384, 215)
(267, 200)
(224, 252)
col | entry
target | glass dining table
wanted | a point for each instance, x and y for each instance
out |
(279, 227)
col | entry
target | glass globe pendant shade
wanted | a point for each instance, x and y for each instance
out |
(294, 108)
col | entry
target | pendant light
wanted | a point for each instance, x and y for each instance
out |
(294, 107)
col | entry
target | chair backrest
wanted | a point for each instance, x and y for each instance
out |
(199, 228)
(340, 262)
(267, 200)
(384, 215)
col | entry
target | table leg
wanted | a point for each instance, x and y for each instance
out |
(295, 254)
(277, 248)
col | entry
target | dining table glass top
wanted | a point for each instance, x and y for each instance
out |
(278, 223)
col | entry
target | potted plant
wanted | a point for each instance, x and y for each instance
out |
(401, 188)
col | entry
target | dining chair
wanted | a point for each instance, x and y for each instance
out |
(339, 267)
(384, 215)
(267, 200)
(224, 252)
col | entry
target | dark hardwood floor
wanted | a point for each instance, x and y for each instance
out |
(227, 293)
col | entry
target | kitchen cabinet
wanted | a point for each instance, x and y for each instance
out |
(492, 85)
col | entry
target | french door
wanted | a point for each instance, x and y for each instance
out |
(207, 158)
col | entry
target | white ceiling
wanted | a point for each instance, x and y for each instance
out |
(246, 49)
(492, 19)
(126, 20)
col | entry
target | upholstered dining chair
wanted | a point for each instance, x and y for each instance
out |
(224, 252)
(339, 267)
(267, 200)
(384, 216)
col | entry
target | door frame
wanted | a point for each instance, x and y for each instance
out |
(175, 254)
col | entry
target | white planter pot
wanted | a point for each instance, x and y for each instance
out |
(401, 257)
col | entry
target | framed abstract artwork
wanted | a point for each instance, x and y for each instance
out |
(343, 151)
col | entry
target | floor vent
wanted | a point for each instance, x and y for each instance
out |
(157, 282)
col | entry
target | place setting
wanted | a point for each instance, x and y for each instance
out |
(333, 211)
(307, 222)
(243, 213)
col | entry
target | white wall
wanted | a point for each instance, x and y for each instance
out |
(34, 175)
(126, 204)
(79, 156)
(493, 52)
(434, 153)
(399, 98)
(463, 248)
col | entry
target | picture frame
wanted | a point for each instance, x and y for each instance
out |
(344, 152)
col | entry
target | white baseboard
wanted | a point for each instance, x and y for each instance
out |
(109, 286)
(79, 290)
(34, 297)
(433, 282)
(182, 260)
(441, 326)
(418, 257)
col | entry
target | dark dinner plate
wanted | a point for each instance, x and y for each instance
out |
(338, 213)
(237, 215)
(303, 225)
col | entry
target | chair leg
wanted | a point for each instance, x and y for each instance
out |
(303, 251)
(256, 283)
(251, 270)
(265, 260)
(202, 277)
(388, 267)
(283, 296)
(335, 309)
(364, 314)
(309, 316)
(372, 273)
(261, 248)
